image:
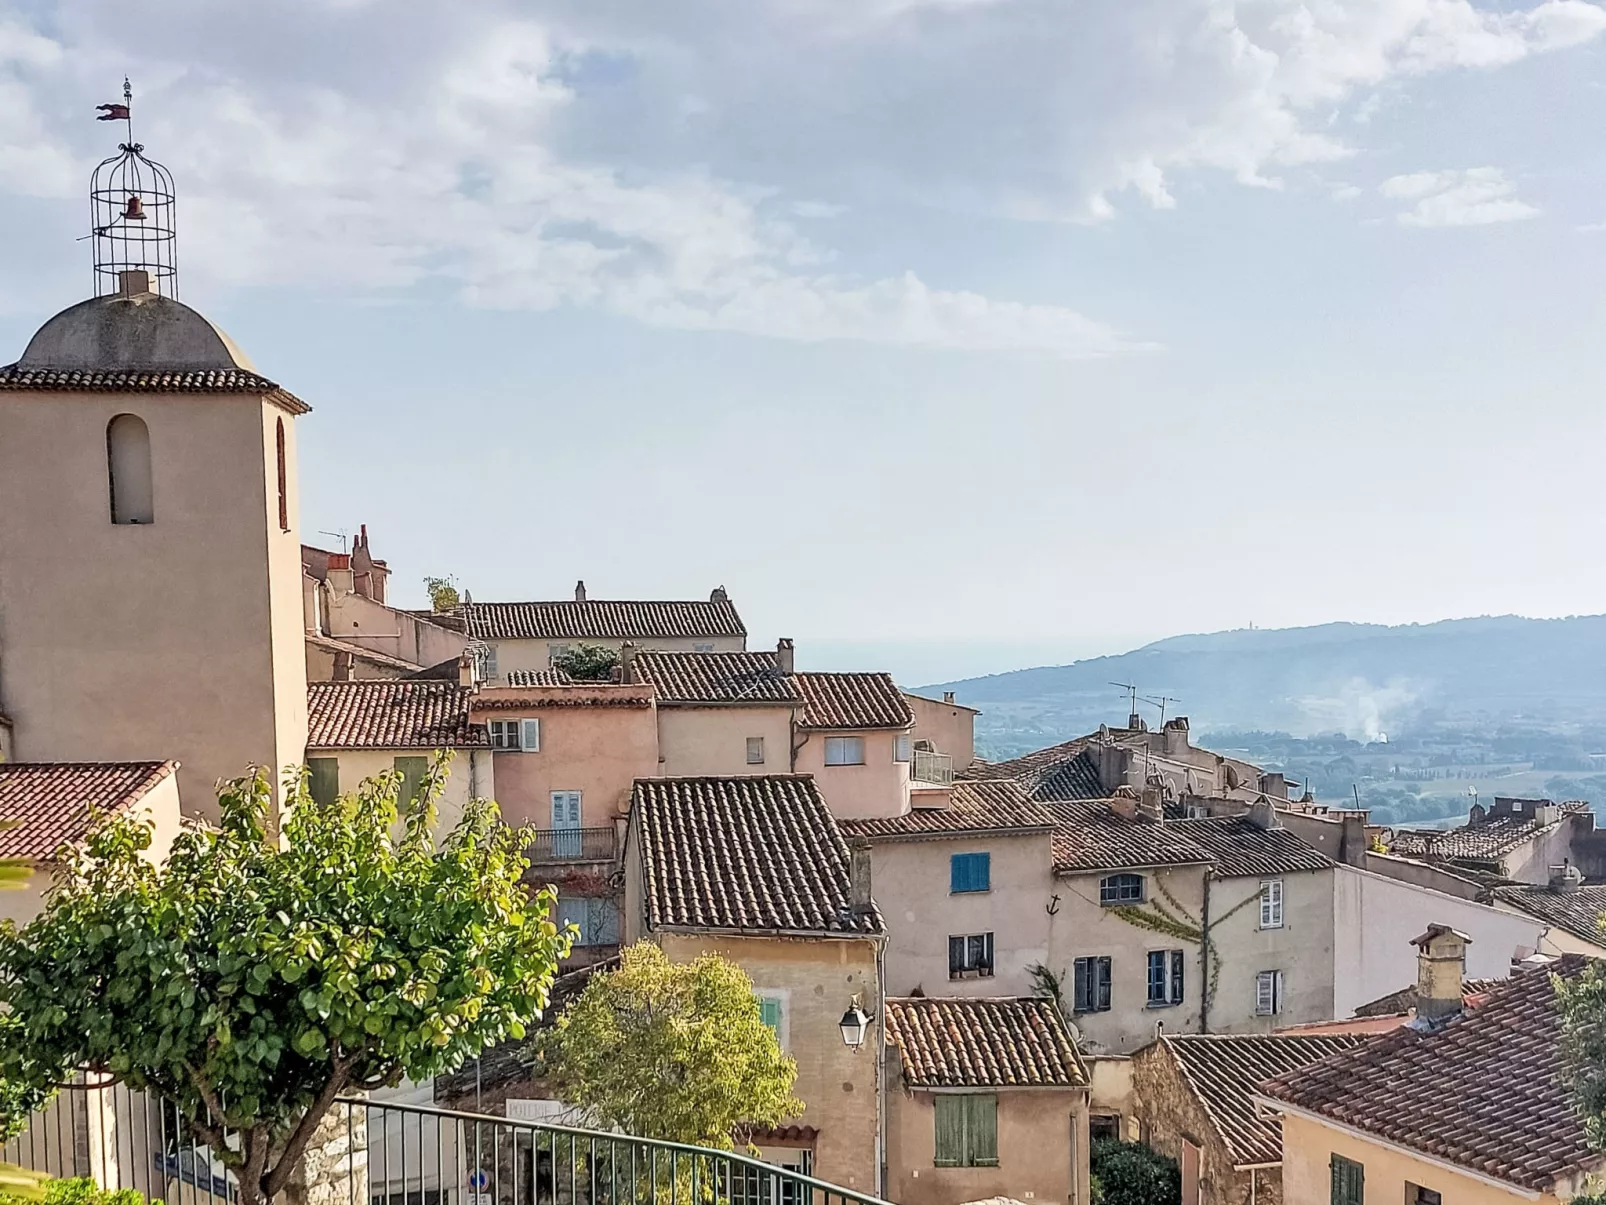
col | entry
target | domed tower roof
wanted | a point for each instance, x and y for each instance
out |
(135, 330)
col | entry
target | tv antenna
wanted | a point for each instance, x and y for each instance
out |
(1161, 703)
(1132, 695)
(342, 535)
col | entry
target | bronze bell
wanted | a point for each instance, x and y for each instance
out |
(135, 210)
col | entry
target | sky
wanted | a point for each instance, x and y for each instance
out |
(948, 335)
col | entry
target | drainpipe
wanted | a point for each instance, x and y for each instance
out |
(881, 1068)
(796, 746)
(1204, 957)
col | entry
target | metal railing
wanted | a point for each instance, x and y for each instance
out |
(552, 845)
(935, 768)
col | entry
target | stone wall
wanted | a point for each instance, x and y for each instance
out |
(334, 1168)
(1169, 1112)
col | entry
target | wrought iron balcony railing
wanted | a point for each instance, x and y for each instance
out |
(550, 846)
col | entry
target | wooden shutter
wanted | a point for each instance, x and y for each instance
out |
(1177, 963)
(412, 771)
(769, 1011)
(1103, 978)
(530, 736)
(956, 955)
(981, 1130)
(1349, 1182)
(323, 779)
(950, 1145)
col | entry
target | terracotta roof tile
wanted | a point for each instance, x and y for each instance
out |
(1224, 1071)
(700, 678)
(1088, 836)
(1577, 911)
(1242, 849)
(537, 677)
(1486, 841)
(381, 714)
(976, 807)
(853, 701)
(601, 619)
(211, 380)
(759, 853)
(971, 1042)
(1485, 1090)
(1398, 1003)
(58, 801)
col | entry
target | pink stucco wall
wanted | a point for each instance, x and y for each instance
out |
(880, 787)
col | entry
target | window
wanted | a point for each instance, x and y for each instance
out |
(1271, 904)
(967, 1130)
(970, 872)
(412, 770)
(755, 751)
(772, 1011)
(554, 652)
(487, 659)
(128, 470)
(702, 648)
(566, 839)
(901, 745)
(1121, 889)
(1415, 1194)
(596, 918)
(323, 778)
(1268, 993)
(1103, 1125)
(1090, 987)
(1349, 1182)
(284, 489)
(516, 734)
(844, 751)
(1165, 978)
(970, 956)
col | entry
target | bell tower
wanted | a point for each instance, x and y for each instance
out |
(150, 569)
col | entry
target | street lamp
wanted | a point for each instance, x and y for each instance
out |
(855, 1023)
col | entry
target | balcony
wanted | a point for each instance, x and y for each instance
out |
(936, 769)
(556, 846)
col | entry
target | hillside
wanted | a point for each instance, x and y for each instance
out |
(1360, 679)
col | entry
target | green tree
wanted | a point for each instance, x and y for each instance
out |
(15, 873)
(443, 595)
(1582, 1000)
(252, 980)
(587, 662)
(677, 1051)
(1129, 1173)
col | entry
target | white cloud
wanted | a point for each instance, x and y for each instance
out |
(1477, 196)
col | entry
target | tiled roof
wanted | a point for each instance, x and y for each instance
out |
(1403, 1001)
(57, 801)
(976, 807)
(1577, 911)
(760, 853)
(718, 678)
(1037, 761)
(381, 714)
(1486, 1090)
(1487, 841)
(1244, 849)
(1089, 836)
(1224, 1071)
(211, 380)
(537, 677)
(1062, 772)
(333, 644)
(1002, 1042)
(601, 619)
(852, 701)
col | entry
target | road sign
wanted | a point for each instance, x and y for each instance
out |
(478, 1179)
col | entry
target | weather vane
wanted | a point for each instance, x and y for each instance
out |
(123, 112)
(131, 208)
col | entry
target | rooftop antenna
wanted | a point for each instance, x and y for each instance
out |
(1132, 695)
(131, 210)
(1161, 704)
(342, 535)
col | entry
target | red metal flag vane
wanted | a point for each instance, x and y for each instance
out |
(112, 112)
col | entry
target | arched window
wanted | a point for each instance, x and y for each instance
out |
(284, 493)
(128, 467)
(1121, 889)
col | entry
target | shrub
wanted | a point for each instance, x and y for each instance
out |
(80, 1191)
(1129, 1173)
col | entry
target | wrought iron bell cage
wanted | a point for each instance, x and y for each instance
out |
(131, 209)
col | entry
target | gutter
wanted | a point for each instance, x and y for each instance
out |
(1204, 955)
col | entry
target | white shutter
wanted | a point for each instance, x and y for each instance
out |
(1273, 904)
(530, 738)
(1263, 994)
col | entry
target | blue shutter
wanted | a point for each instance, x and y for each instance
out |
(969, 872)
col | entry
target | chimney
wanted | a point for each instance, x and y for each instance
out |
(1124, 802)
(1546, 812)
(1441, 962)
(465, 669)
(859, 876)
(1566, 878)
(342, 667)
(718, 595)
(1353, 841)
(784, 660)
(1175, 736)
(947, 696)
(579, 591)
(627, 662)
(1263, 815)
(1150, 805)
(1135, 722)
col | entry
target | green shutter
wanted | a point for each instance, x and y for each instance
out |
(981, 1130)
(950, 1131)
(412, 771)
(323, 779)
(1349, 1182)
(769, 1011)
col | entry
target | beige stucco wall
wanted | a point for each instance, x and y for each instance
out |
(1042, 1150)
(1112, 1090)
(951, 728)
(598, 751)
(1302, 949)
(910, 882)
(1309, 1145)
(471, 775)
(713, 740)
(536, 654)
(195, 617)
(816, 978)
(1083, 928)
(880, 787)
(388, 630)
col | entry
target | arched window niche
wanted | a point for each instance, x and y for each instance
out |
(128, 463)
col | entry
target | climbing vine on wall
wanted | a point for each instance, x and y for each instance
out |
(1176, 921)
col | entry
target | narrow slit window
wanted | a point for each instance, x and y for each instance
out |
(128, 466)
(284, 491)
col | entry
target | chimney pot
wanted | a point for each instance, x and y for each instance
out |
(1441, 963)
(947, 696)
(579, 591)
(718, 595)
(785, 660)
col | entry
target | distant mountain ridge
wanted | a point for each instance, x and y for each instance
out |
(1356, 678)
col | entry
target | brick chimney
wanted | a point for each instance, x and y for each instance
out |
(1441, 964)
(785, 662)
(859, 876)
(579, 591)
